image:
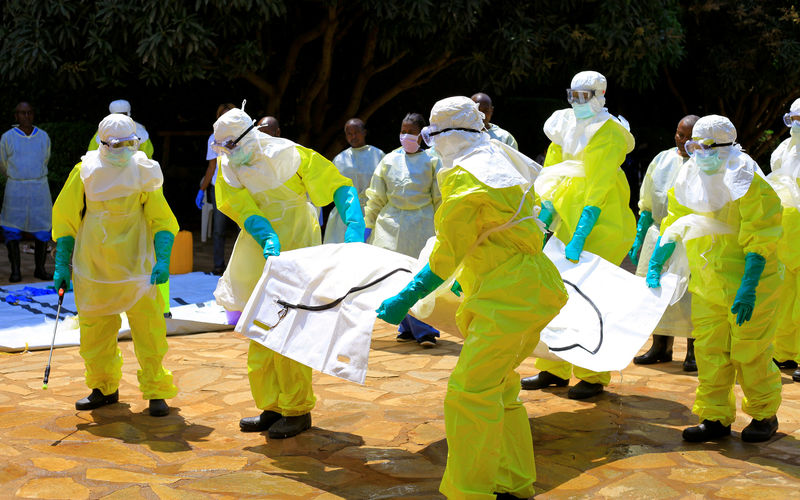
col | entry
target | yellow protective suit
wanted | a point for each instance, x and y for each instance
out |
(401, 199)
(278, 383)
(511, 291)
(112, 262)
(785, 163)
(604, 186)
(727, 353)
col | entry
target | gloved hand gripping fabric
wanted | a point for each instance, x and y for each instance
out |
(746, 295)
(346, 200)
(394, 309)
(586, 223)
(162, 242)
(660, 256)
(64, 247)
(645, 221)
(548, 213)
(261, 230)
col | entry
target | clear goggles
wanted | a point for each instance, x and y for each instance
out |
(428, 133)
(121, 142)
(225, 147)
(790, 118)
(579, 96)
(703, 147)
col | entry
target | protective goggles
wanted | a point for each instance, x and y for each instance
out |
(579, 96)
(121, 142)
(428, 133)
(790, 118)
(224, 148)
(700, 148)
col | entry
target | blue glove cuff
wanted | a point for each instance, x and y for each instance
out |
(660, 255)
(258, 227)
(162, 243)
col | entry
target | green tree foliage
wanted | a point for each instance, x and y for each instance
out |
(316, 63)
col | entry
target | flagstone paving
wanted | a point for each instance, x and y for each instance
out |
(385, 439)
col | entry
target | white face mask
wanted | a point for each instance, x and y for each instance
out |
(120, 157)
(794, 130)
(240, 156)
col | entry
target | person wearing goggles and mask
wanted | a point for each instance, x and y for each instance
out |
(727, 217)
(269, 186)
(401, 199)
(586, 205)
(114, 232)
(488, 238)
(785, 166)
(660, 177)
(123, 107)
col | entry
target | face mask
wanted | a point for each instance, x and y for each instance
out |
(240, 157)
(795, 129)
(710, 163)
(582, 111)
(120, 157)
(410, 143)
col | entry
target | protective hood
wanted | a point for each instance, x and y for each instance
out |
(573, 135)
(259, 162)
(707, 193)
(120, 106)
(592, 80)
(103, 181)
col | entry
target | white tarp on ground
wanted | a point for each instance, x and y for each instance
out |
(336, 341)
(28, 316)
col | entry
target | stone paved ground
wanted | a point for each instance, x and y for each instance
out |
(382, 440)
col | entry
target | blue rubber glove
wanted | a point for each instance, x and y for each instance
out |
(346, 200)
(394, 309)
(586, 223)
(162, 242)
(261, 230)
(657, 260)
(367, 234)
(746, 295)
(547, 213)
(198, 200)
(62, 275)
(645, 221)
(456, 289)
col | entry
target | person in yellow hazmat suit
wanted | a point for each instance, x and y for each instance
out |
(113, 225)
(658, 179)
(488, 237)
(587, 209)
(728, 219)
(269, 186)
(785, 166)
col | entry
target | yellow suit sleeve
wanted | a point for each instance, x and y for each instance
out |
(760, 210)
(93, 143)
(236, 203)
(376, 196)
(147, 148)
(674, 212)
(157, 212)
(554, 155)
(788, 250)
(601, 159)
(436, 193)
(320, 177)
(68, 206)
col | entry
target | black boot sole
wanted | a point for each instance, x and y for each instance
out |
(86, 404)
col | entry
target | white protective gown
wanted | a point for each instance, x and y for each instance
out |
(27, 204)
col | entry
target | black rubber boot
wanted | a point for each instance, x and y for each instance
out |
(287, 427)
(660, 351)
(158, 408)
(542, 380)
(785, 365)
(758, 431)
(689, 363)
(40, 257)
(796, 375)
(96, 399)
(259, 423)
(708, 430)
(584, 389)
(13, 257)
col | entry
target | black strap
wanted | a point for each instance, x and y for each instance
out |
(333, 304)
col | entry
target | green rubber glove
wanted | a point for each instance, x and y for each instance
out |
(547, 213)
(346, 200)
(645, 221)
(456, 289)
(394, 309)
(745, 299)
(586, 223)
(63, 275)
(657, 260)
(162, 242)
(261, 230)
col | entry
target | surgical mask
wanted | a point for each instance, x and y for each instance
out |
(410, 143)
(709, 163)
(794, 130)
(582, 110)
(240, 156)
(120, 156)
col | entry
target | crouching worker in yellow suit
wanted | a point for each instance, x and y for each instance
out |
(731, 217)
(113, 214)
(488, 238)
(265, 185)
